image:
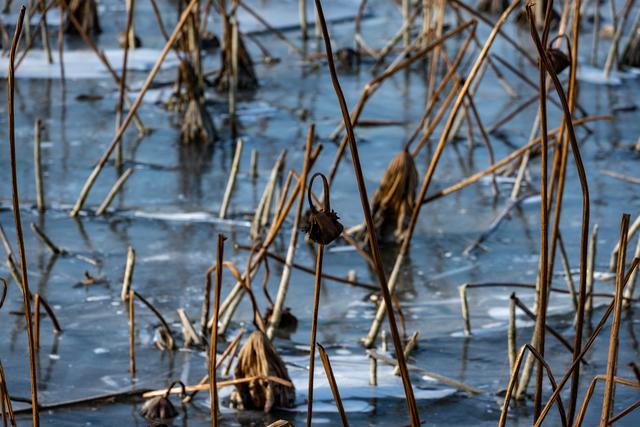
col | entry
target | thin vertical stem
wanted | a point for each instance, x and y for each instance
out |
(132, 332)
(26, 294)
(332, 383)
(235, 164)
(37, 163)
(213, 390)
(314, 328)
(609, 390)
(364, 200)
(36, 321)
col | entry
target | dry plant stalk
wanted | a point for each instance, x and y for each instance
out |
(26, 294)
(258, 359)
(235, 166)
(332, 383)
(607, 400)
(128, 273)
(5, 399)
(213, 390)
(386, 292)
(113, 192)
(132, 332)
(37, 161)
(189, 334)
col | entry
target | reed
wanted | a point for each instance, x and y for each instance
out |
(332, 383)
(132, 332)
(35, 415)
(37, 162)
(364, 200)
(213, 390)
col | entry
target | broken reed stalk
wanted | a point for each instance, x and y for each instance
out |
(114, 190)
(514, 378)
(376, 324)
(132, 110)
(5, 289)
(406, 34)
(128, 42)
(5, 398)
(589, 393)
(511, 333)
(567, 272)
(235, 165)
(364, 200)
(26, 294)
(293, 240)
(635, 226)
(607, 400)
(332, 383)
(585, 195)
(128, 273)
(189, 335)
(265, 201)
(253, 165)
(233, 75)
(132, 331)
(45, 30)
(584, 349)
(61, 42)
(373, 371)
(36, 321)
(206, 300)
(628, 292)
(303, 18)
(314, 327)
(213, 346)
(408, 348)
(37, 162)
(591, 265)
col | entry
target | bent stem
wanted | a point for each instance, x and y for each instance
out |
(26, 294)
(314, 329)
(364, 200)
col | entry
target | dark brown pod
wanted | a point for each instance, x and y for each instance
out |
(559, 60)
(322, 225)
